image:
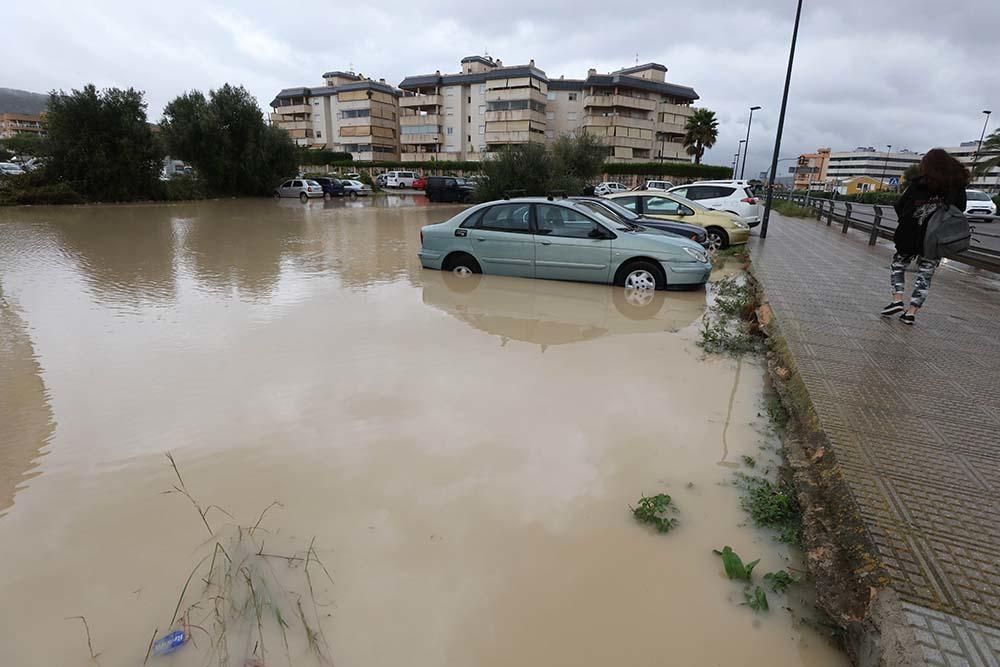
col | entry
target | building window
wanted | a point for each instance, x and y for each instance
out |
(470, 120)
(450, 92)
(319, 135)
(551, 95)
(470, 99)
(482, 88)
(550, 115)
(571, 115)
(572, 97)
(469, 139)
(315, 102)
(448, 111)
(451, 130)
(482, 109)
(354, 113)
(482, 129)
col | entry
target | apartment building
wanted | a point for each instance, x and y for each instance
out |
(811, 169)
(349, 113)
(634, 111)
(870, 162)
(461, 116)
(12, 124)
(966, 154)
(486, 106)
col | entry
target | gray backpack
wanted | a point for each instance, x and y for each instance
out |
(947, 232)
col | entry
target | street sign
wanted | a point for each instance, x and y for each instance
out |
(894, 182)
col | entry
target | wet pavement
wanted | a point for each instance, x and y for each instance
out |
(912, 415)
(462, 453)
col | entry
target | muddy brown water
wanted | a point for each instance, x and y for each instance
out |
(463, 453)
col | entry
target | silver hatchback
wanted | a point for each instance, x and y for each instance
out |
(302, 188)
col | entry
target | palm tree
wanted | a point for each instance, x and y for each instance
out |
(991, 153)
(702, 129)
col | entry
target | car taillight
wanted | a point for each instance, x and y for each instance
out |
(748, 200)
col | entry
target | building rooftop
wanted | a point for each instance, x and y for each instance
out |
(323, 91)
(641, 68)
(344, 75)
(437, 79)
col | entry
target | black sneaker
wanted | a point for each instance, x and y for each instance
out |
(906, 318)
(893, 308)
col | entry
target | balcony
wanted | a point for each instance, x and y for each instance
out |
(624, 101)
(290, 125)
(429, 156)
(294, 108)
(519, 115)
(618, 121)
(416, 101)
(410, 139)
(508, 94)
(429, 119)
(514, 137)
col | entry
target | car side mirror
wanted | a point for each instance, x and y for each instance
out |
(597, 234)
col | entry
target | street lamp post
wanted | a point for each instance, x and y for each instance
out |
(979, 148)
(885, 165)
(781, 124)
(739, 149)
(746, 149)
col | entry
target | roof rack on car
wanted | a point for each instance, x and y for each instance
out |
(508, 194)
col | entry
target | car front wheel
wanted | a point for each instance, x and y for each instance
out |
(353, 195)
(641, 275)
(303, 197)
(718, 239)
(277, 195)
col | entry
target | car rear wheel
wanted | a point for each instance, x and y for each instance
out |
(327, 196)
(277, 195)
(303, 197)
(718, 239)
(353, 195)
(641, 275)
(461, 264)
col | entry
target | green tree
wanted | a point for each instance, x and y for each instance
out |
(525, 168)
(225, 139)
(25, 145)
(909, 174)
(701, 131)
(100, 144)
(576, 159)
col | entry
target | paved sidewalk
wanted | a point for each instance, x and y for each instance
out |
(913, 416)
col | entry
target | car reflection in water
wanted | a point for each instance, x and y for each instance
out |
(549, 312)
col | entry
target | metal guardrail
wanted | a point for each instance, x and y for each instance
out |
(880, 222)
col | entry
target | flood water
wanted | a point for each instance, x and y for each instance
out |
(462, 454)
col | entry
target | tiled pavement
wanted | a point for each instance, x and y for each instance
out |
(913, 415)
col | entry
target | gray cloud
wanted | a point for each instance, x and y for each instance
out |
(913, 74)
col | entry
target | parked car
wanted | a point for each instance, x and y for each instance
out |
(607, 188)
(380, 180)
(10, 169)
(356, 188)
(420, 183)
(724, 229)
(448, 189)
(736, 197)
(351, 176)
(978, 203)
(657, 185)
(613, 209)
(560, 240)
(400, 179)
(332, 187)
(303, 188)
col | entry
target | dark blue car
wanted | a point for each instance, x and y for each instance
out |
(331, 187)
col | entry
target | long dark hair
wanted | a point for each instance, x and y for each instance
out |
(941, 172)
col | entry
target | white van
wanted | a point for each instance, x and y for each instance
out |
(400, 179)
(658, 185)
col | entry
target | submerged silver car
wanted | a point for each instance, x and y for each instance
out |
(560, 239)
(302, 188)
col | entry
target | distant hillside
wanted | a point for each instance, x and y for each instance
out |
(13, 100)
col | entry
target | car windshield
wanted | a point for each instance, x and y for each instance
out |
(312, 183)
(606, 219)
(690, 203)
(603, 207)
(976, 195)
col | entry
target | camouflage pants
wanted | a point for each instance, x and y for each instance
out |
(925, 271)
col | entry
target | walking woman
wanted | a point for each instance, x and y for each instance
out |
(941, 179)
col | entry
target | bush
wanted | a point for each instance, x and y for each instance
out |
(791, 209)
(39, 195)
(182, 188)
(314, 158)
(526, 169)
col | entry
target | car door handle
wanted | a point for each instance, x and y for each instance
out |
(546, 242)
(480, 240)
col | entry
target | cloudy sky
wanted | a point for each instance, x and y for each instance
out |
(911, 73)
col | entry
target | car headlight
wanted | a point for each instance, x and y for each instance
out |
(740, 223)
(698, 254)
